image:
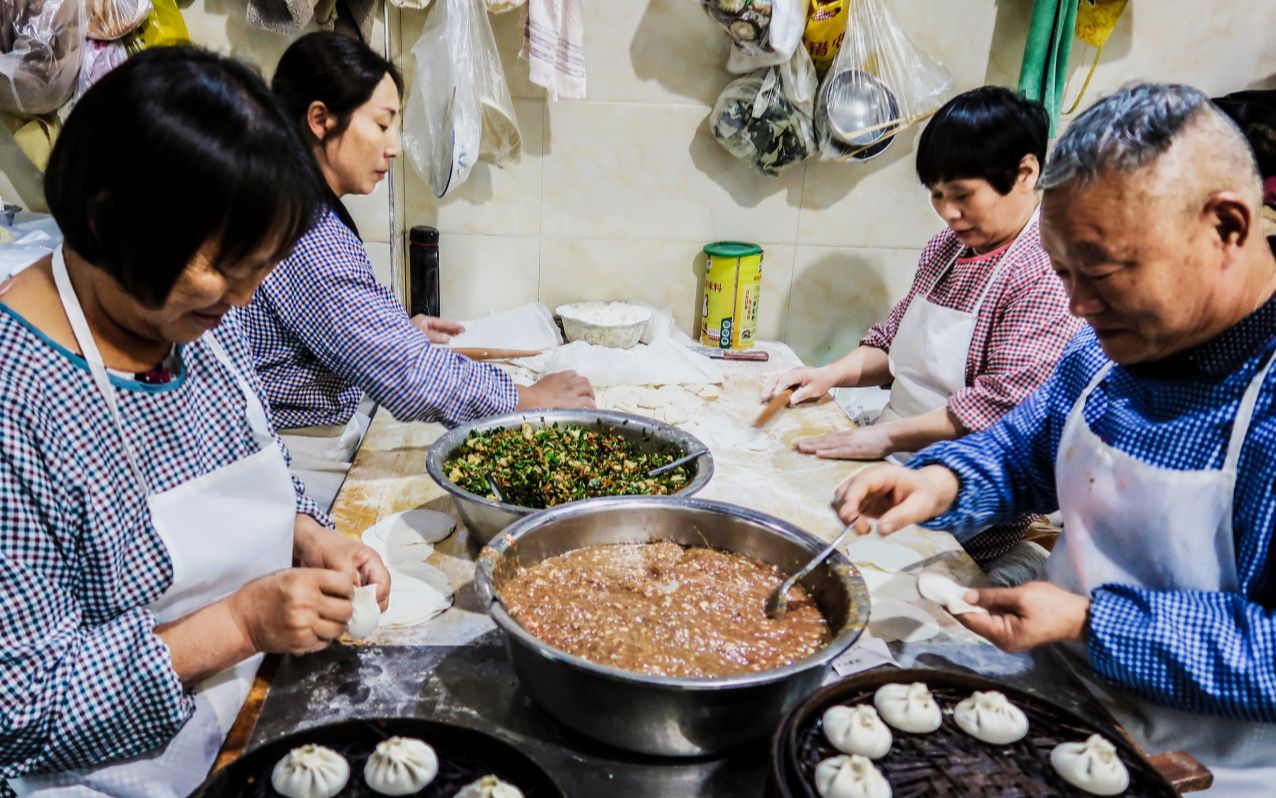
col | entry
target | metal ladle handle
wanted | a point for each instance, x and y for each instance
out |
(778, 603)
(681, 461)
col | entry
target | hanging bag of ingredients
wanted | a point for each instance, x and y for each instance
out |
(459, 108)
(114, 19)
(442, 123)
(764, 118)
(763, 32)
(41, 47)
(879, 85)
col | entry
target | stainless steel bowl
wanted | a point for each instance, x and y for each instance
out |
(485, 518)
(662, 715)
(858, 101)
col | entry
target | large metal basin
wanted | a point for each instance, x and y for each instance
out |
(663, 715)
(485, 518)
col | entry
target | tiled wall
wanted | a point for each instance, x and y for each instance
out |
(615, 195)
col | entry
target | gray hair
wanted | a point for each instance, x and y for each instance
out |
(1126, 131)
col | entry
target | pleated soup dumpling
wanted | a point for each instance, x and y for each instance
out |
(857, 730)
(908, 707)
(850, 777)
(1092, 766)
(489, 787)
(401, 766)
(991, 718)
(310, 771)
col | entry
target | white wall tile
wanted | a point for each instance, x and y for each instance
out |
(658, 51)
(626, 171)
(504, 201)
(838, 293)
(379, 254)
(664, 274)
(878, 203)
(371, 212)
(479, 275)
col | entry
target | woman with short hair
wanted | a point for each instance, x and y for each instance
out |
(152, 543)
(986, 318)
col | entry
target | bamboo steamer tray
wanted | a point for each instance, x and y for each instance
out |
(949, 762)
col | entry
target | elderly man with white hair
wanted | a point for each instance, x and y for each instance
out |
(1155, 438)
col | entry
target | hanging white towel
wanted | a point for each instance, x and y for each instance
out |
(554, 47)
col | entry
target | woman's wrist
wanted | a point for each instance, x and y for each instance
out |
(304, 541)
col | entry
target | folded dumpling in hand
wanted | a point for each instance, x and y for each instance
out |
(401, 766)
(990, 717)
(850, 777)
(908, 707)
(1092, 766)
(311, 771)
(857, 730)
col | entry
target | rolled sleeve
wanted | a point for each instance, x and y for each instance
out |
(330, 301)
(1205, 652)
(73, 692)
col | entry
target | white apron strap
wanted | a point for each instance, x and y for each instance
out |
(1245, 416)
(80, 328)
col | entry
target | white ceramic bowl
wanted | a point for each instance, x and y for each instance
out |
(615, 324)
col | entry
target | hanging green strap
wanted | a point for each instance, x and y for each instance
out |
(1044, 73)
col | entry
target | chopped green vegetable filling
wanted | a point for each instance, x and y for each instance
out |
(553, 465)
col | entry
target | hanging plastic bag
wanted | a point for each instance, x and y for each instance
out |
(41, 46)
(114, 19)
(825, 29)
(164, 26)
(1096, 19)
(765, 118)
(764, 32)
(99, 59)
(502, 6)
(880, 84)
(501, 141)
(442, 124)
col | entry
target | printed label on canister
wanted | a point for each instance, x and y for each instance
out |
(732, 283)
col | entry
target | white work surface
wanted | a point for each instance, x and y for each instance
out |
(760, 470)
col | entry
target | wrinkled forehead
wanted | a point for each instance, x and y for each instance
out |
(1115, 214)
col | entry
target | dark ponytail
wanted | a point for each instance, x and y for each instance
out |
(337, 70)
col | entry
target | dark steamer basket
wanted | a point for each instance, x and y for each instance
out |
(948, 761)
(465, 755)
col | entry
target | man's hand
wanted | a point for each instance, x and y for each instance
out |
(1027, 616)
(440, 331)
(895, 496)
(862, 443)
(560, 389)
(317, 547)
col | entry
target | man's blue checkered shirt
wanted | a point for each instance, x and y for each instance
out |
(1206, 652)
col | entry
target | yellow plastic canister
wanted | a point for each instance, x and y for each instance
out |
(732, 284)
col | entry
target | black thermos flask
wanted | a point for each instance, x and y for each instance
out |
(423, 271)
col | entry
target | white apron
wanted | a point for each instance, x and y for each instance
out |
(322, 456)
(928, 354)
(1132, 523)
(222, 530)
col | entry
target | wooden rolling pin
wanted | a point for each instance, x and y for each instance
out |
(773, 407)
(483, 353)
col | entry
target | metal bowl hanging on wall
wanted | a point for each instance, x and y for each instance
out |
(862, 114)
